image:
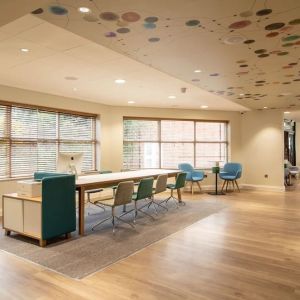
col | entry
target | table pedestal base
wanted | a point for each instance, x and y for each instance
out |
(216, 194)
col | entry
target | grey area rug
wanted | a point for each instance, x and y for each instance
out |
(81, 256)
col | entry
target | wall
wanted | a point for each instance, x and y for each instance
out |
(297, 143)
(262, 144)
(255, 138)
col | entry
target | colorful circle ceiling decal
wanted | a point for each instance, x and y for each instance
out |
(37, 11)
(274, 26)
(123, 30)
(286, 28)
(90, 18)
(154, 39)
(272, 34)
(295, 22)
(246, 14)
(249, 41)
(264, 12)
(151, 19)
(131, 17)
(290, 38)
(192, 23)
(282, 53)
(260, 51)
(288, 45)
(240, 24)
(110, 34)
(109, 16)
(149, 25)
(58, 10)
(263, 55)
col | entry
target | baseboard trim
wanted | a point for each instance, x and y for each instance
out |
(267, 188)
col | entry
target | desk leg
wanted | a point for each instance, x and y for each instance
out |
(179, 195)
(81, 211)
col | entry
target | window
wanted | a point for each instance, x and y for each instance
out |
(32, 137)
(166, 143)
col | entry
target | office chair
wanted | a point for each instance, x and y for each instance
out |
(179, 183)
(192, 175)
(160, 187)
(230, 173)
(122, 196)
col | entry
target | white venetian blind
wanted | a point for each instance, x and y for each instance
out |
(166, 143)
(31, 138)
(141, 144)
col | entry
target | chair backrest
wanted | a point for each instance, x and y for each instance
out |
(124, 193)
(186, 168)
(145, 189)
(180, 180)
(58, 205)
(234, 169)
(161, 183)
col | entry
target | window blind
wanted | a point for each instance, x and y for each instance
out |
(31, 138)
(166, 143)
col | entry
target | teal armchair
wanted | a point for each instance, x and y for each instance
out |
(58, 204)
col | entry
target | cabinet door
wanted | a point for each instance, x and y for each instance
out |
(32, 218)
(13, 214)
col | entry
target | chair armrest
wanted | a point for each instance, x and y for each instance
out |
(94, 191)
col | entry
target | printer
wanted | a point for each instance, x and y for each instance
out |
(29, 188)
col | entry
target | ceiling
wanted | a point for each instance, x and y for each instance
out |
(62, 63)
(248, 52)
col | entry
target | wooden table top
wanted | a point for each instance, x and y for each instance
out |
(119, 176)
(19, 197)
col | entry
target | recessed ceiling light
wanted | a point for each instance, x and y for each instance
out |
(204, 106)
(75, 89)
(131, 102)
(24, 50)
(172, 97)
(265, 107)
(287, 112)
(120, 81)
(242, 94)
(197, 71)
(84, 10)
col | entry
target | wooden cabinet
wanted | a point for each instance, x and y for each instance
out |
(23, 215)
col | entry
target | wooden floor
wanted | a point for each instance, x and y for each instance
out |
(251, 250)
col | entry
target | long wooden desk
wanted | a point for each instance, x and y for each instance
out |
(88, 182)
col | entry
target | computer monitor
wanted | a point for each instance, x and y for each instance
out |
(69, 163)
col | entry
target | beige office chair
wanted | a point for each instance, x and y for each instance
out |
(123, 196)
(160, 187)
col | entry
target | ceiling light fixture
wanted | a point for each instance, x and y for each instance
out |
(172, 97)
(25, 50)
(287, 112)
(242, 94)
(204, 106)
(84, 10)
(197, 71)
(131, 102)
(120, 81)
(265, 107)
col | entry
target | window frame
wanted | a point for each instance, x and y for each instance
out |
(57, 141)
(194, 142)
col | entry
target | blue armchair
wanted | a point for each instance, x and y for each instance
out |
(193, 176)
(230, 173)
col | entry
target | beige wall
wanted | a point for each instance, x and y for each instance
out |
(255, 138)
(297, 143)
(262, 143)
